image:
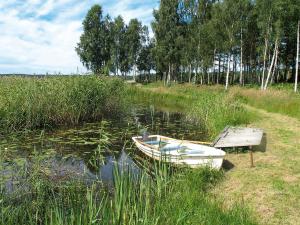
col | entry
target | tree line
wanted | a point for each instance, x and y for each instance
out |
(111, 46)
(201, 41)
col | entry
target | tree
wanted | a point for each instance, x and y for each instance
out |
(145, 60)
(297, 57)
(166, 27)
(136, 35)
(229, 14)
(94, 46)
(119, 43)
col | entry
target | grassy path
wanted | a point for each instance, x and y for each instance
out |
(272, 188)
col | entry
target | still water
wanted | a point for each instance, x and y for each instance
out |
(91, 151)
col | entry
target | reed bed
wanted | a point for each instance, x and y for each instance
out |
(29, 103)
(211, 106)
(180, 197)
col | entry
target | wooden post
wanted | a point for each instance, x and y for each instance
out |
(251, 157)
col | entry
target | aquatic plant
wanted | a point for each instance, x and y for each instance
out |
(29, 103)
(104, 141)
(211, 107)
(180, 197)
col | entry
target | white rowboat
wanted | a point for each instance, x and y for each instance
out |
(180, 152)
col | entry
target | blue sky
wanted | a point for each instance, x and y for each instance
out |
(39, 36)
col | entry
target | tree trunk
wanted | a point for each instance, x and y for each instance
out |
(274, 68)
(228, 71)
(134, 73)
(264, 67)
(241, 61)
(214, 67)
(234, 69)
(297, 58)
(208, 76)
(190, 73)
(196, 74)
(181, 71)
(219, 71)
(272, 64)
(169, 75)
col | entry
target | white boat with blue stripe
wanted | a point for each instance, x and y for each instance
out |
(181, 152)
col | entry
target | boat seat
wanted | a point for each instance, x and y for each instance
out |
(152, 142)
(172, 148)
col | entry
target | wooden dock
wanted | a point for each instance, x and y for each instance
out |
(234, 137)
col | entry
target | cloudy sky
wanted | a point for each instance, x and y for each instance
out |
(39, 36)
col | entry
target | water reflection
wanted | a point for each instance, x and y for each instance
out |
(73, 149)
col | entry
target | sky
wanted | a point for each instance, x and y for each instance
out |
(40, 36)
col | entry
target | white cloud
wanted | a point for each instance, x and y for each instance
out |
(40, 36)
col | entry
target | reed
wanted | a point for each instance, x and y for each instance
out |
(211, 106)
(180, 197)
(29, 103)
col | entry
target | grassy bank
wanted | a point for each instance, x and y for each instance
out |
(277, 99)
(178, 198)
(210, 105)
(29, 103)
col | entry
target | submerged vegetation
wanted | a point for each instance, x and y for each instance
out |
(29, 103)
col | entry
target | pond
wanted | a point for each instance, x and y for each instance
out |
(89, 151)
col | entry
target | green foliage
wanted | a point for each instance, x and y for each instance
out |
(136, 35)
(211, 106)
(119, 44)
(277, 100)
(145, 60)
(167, 29)
(160, 199)
(94, 46)
(28, 103)
(203, 41)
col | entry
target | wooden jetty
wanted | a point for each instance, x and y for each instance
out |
(233, 137)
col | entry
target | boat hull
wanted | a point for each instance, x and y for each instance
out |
(214, 157)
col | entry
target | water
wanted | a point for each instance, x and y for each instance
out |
(81, 152)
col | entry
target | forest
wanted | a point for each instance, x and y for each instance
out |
(200, 41)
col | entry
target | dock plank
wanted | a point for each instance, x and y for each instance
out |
(238, 137)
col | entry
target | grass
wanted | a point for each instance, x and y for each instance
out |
(30, 103)
(178, 198)
(272, 187)
(202, 196)
(277, 99)
(213, 107)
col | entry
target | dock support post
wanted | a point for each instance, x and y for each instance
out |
(251, 157)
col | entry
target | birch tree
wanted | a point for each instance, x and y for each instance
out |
(297, 58)
(166, 27)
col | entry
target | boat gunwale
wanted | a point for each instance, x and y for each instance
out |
(168, 153)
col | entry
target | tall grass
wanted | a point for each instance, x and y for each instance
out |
(28, 103)
(277, 100)
(178, 198)
(211, 106)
